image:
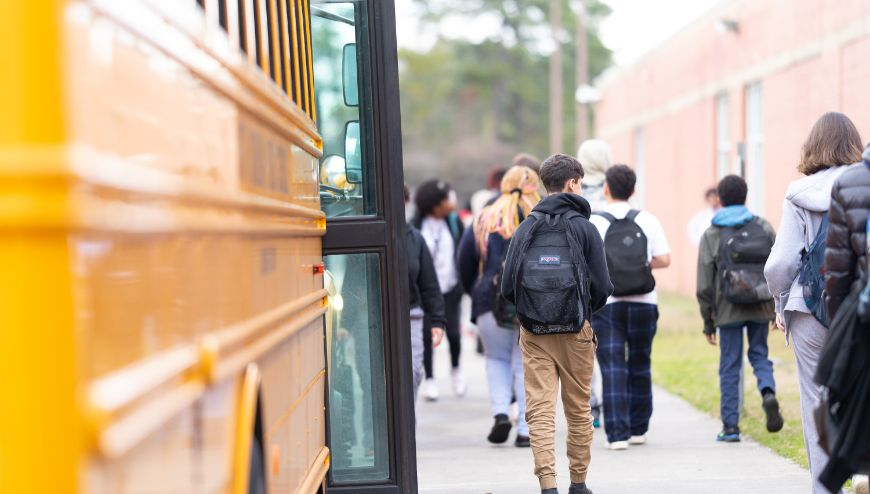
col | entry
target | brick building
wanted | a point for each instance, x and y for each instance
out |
(736, 91)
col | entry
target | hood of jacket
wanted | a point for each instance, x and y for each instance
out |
(731, 216)
(866, 154)
(562, 203)
(813, 192)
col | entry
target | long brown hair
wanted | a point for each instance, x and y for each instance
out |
(833, 141)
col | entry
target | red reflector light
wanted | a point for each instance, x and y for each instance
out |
(319, 268)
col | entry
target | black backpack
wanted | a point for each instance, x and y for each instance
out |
(812, 274)
(552, 285)
(625, 246)
(743, 251)
(505, 312)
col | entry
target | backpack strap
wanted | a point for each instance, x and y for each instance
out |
(632, 214)
(607, 216)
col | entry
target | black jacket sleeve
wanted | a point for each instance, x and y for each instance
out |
(839, 256)
(600, 286)
(430, 291)
(469, 260)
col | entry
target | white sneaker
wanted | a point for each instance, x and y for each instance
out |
(459, 385)
(637, 440)
(430, 390)
(617, 445)
(860, 484)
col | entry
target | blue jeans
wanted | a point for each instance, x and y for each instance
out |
(730, 359)
(625, 333)
(504, 369)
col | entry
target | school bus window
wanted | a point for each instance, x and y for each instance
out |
(346, 171)
(222, 14)
(243, 28)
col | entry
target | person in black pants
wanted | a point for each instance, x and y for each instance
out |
(442, 229)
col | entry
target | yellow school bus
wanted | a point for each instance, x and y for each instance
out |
(161, 272)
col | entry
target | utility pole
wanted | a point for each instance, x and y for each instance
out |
(581, 75)
(556, 78)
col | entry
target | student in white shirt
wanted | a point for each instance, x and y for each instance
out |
(635, 244)
(442, 229)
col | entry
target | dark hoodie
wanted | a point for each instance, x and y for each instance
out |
(587, 236)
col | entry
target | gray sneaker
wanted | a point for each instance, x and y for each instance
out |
(579, 489)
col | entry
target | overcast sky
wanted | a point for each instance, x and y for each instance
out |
(634, 27)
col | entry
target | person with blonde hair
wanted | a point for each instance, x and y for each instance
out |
(481, 257)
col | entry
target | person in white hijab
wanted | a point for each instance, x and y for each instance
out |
(596, 158)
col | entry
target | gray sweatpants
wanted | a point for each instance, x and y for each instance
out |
(808, 339)
(417, 348)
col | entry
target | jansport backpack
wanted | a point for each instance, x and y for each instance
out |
(742, 252)
(812, 274)
(625, 246)
(552, 285)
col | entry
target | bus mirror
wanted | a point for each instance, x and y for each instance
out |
(352, 153)
(349, 75)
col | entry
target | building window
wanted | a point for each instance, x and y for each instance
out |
(640, 167)
(723, 136)
(754, 170)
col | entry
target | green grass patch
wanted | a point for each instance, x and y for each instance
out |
(686, 365)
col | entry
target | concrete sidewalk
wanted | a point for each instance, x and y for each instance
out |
(681, 456)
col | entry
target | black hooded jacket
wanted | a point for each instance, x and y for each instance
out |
(423, 287)
(587, 236)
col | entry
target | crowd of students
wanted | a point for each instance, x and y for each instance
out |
(560, 268)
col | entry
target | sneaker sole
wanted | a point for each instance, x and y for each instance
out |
(774, 417)
(499, 433)
(728, 439)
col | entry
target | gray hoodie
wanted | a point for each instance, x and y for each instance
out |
(807, 199)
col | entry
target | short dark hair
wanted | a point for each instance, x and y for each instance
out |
(732, 191)
(429, 195)
(527, 160)
(558, 169)
(621, 180)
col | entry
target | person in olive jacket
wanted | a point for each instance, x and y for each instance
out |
(846, 246)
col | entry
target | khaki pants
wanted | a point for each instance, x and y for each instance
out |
(547, 361)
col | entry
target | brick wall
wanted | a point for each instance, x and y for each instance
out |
(810, 56)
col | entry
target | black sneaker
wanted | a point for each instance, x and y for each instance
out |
(771, 409)
(501, 429)
(729, 435)
(522, 442)
(579, 489)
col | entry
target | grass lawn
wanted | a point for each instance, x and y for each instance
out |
(686, 365)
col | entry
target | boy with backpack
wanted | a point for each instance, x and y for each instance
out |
(635, 244)
(733, 295)
(556, 275)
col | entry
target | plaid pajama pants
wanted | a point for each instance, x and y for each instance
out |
(625, 332)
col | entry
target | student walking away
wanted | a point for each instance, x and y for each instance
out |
(703, 219)
(596, 158)
(424, 296)
(794, 268)
(556, 275)
(734, 296)
(437, 220)
(481, 261)
(843, 367)
(635, 244)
